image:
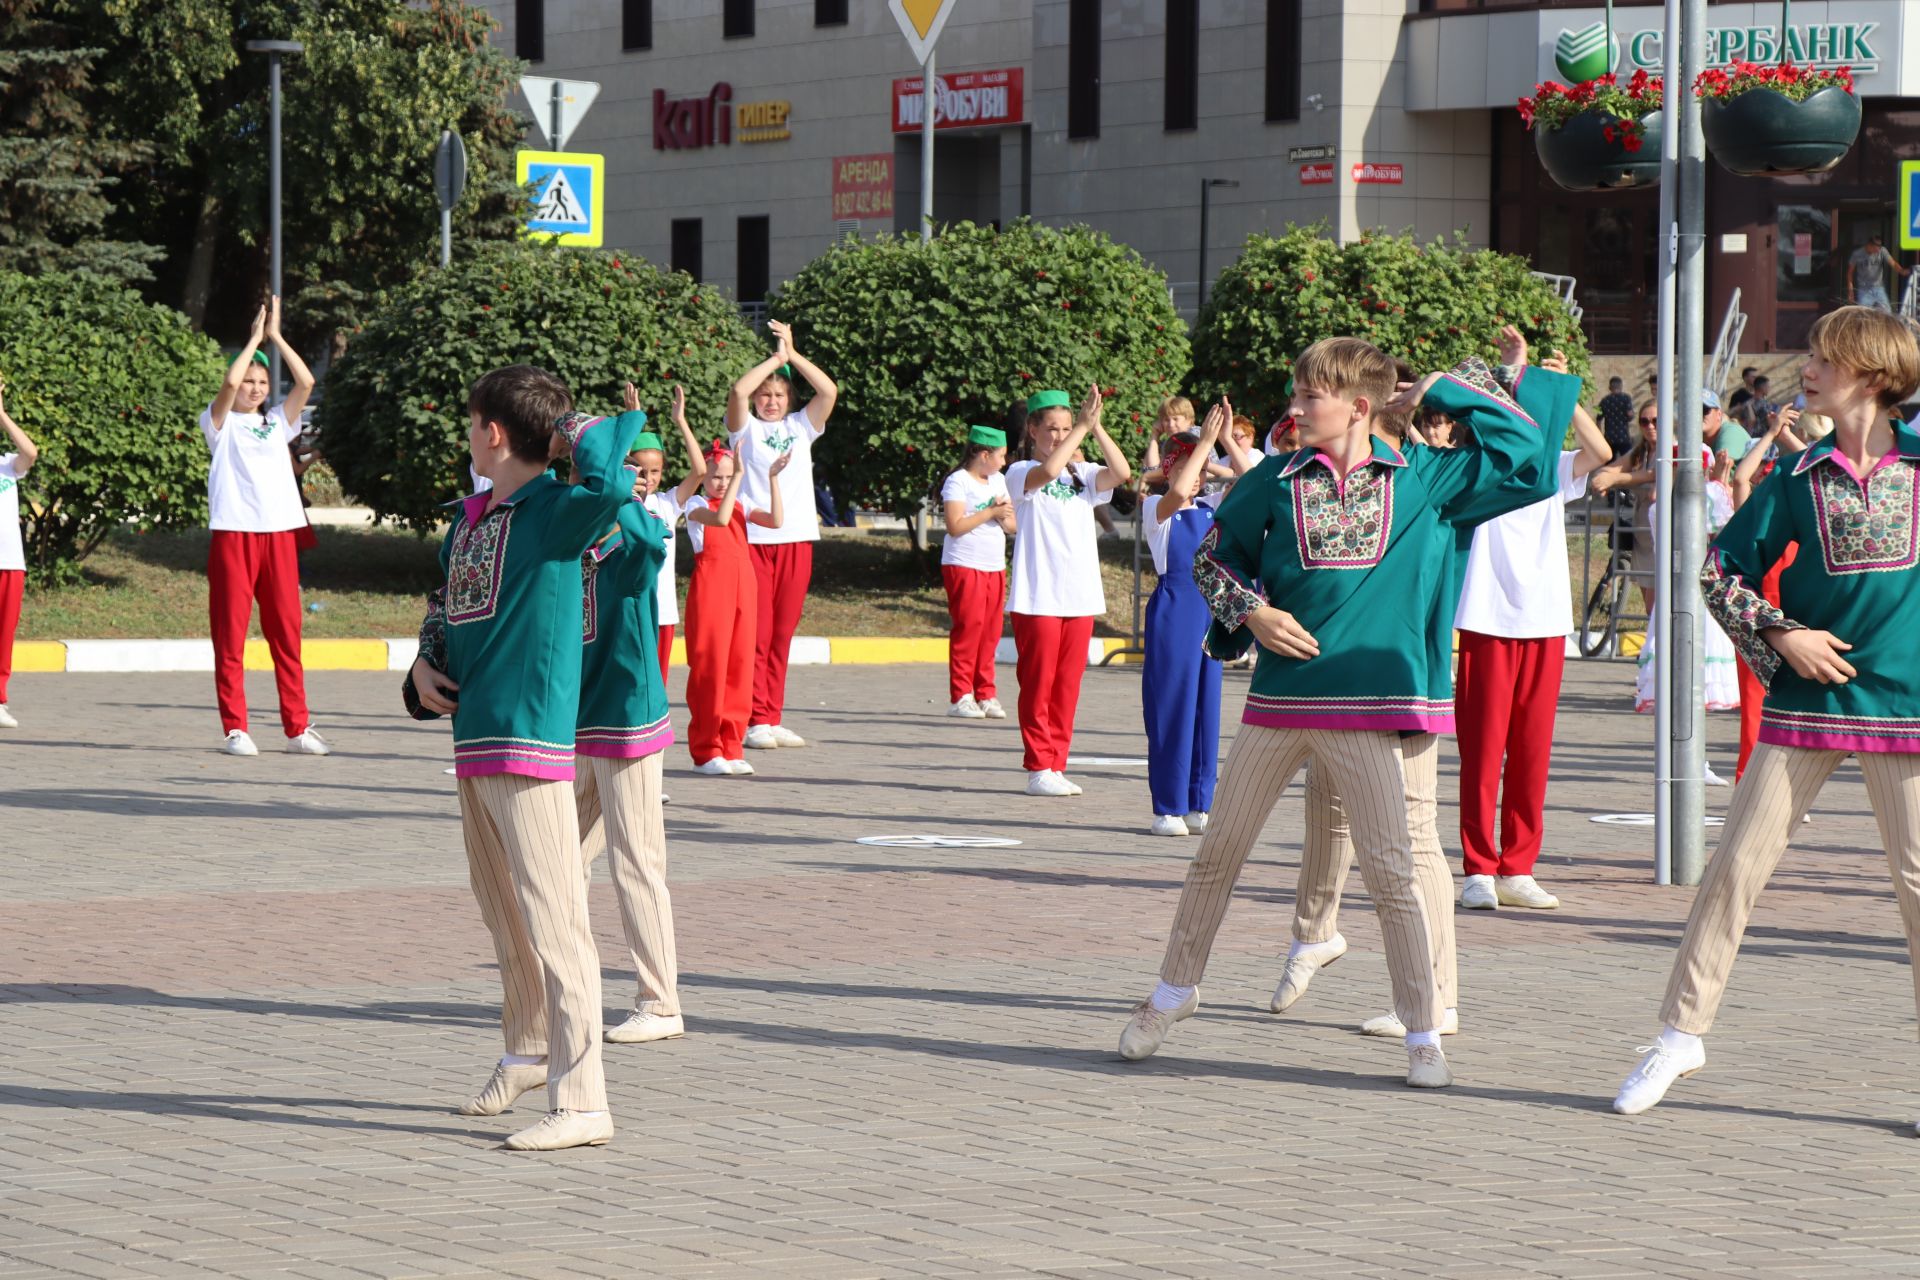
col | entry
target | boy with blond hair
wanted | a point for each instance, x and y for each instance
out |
(1856, 497)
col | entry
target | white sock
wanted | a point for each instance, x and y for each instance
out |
(522, 1059)
(1167, 998)
(1678, 1041)
(1454, 1014)
(1417, 1038)
(1309, 949)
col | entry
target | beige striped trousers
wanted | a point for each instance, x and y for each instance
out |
(1779, 785)
(523, 855)
(1326, 855)
(1365, 768)
(620, 810)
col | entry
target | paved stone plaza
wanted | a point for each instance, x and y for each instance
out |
(242, 997)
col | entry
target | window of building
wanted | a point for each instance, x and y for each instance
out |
(1283, 60)
(1083, 68)
(636, 24)
(1183, 64)
(686, 246)
(736, 19)
(530, 29)
(753, 261)
(829, 13)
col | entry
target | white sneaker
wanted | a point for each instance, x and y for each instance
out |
(1168, 824)
(239, 744)
(643, 1026)
(1073, 788)
(739, 768)
(1388, 1025)
(967, 709)
(1045, 782)
(992, 709)
(715, 768)
(558, 1130)
(1649, 1082)
(1427, 1067)
(1149, 1026)
(1479, 895)
(1713, 779)
(1299, 971)
(308, 743)
(760, 737)
(785, 737)
(1523, 891)
(6, 718)
(1197, 822)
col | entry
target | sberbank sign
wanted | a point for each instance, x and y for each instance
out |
(1582, 55)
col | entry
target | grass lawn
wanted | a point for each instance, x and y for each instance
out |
(374, 582)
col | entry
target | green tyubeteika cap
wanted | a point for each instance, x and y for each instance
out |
(1048, 400)
(992, 437)
(646, 440)
(260, 358)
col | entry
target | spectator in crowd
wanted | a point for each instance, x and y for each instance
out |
(1764, 409)
(1616, 416)
(1867, 274)
(1744, 392)
(1717, 433)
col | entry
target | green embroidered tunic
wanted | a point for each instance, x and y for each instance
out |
(623, 699)
(506, 627)
(1857, 575)
(1360, 561)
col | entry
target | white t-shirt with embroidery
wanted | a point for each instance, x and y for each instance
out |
(251, 486)
(983, 547)
(1056, 554)
(12, 554)
(757, 445)
(667, 605)
(1516, 583)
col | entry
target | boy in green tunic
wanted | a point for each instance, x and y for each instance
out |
(1836, 655)
(500, 653)
(1348, 534)
(623, 729)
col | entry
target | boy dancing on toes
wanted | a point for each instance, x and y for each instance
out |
(500, 653)
(1345, 533)
(1836, 656)
(622, 731)
(1550, 396)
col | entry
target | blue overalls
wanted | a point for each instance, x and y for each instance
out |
(1179, 685)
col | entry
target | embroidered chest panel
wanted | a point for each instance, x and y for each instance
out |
(1870, 528)
(589, 583)
(476, 566)
(1342, 530)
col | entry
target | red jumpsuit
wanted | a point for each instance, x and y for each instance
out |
(719, 624)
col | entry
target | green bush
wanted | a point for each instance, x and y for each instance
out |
(1431, 305)
(926, 339)
(393, 425)
(110, 387)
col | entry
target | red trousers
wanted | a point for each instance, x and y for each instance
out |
(1052, 659)
(13, 585)
(243, 567)
(1505, 699)
(782, 571)
(666, 651)
(1753, 694)
(975, 598)
(720, 629)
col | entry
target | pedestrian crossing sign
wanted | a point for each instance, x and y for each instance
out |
(1910, 204)
(569, 196)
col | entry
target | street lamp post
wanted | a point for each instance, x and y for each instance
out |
(274, 49)
(1206, 197)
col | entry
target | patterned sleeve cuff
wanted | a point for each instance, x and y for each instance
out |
(433, 631)
(1744, 614)
(572, 426)
(1230, 600)
(1478, 376)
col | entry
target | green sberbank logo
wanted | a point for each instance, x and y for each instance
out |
(1586, 54)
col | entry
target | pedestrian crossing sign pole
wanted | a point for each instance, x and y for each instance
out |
(1910, 204)
(569, 196)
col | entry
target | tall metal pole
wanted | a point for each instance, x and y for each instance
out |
(1206, 193)
(1661, 623)
(273, 184)
(929, 95)
(1689, 515)
(446, 237)
(553, 109)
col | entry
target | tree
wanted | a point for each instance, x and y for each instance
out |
(111, 387)
(394, 423)
(364, 106)
(1431, 305)
(926, 339)
(57, 167)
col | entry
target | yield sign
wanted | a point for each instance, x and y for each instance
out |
(575, 97)
(921, 22)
